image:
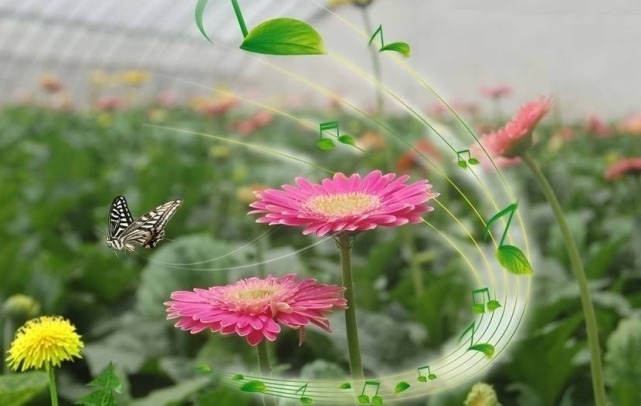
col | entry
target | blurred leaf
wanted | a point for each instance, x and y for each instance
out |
(325, 144)
(283, 36)
(18, 389)
(622, 369)
(200, 9)
(513, 259)
(254, 386)
(485, 348)
(177, 393)
(401, 386)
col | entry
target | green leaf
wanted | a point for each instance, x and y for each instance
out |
(478, 308)
(377, 400)
(401, 386)
(514, 260)
(493, 305)
(107, 384)
(18, 389)
(487, 349)
(254, 386)
(238, 377)
(402, 48)
(203, 368)
(200, 9)
(345, 385)
(284, 36)
(431, 377)
(306, 400)
(363, 399)
(462, 164)
(473, 161)
(325, 144)
(346, 139)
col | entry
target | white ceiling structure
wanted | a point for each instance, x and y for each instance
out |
(585, 52)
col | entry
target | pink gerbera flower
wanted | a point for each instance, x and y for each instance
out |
(343, 204)
(623, 167)
(253, 308)
(496, 92)
(515, 137)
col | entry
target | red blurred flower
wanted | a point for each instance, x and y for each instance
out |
(628, 166)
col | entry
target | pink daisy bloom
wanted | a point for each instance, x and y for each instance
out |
(343, 204)
(515, 137)
(253, 308)
(623, 167)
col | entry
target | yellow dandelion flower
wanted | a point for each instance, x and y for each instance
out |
(482, 394)
(44, 342)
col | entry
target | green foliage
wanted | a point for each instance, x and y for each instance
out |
(622, 369)
(19, 389)
(284, 36)
(106, 385)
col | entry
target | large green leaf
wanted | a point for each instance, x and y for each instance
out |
(18, 389)
(402, 48)
(284, 36)
(513, 259)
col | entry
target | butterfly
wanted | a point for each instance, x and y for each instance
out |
(125, 232)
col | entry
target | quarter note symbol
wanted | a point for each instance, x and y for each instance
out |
(402, 48)
(485, 348)
(363, 399)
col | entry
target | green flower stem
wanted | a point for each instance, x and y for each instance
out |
(376, 63)
(239, 17)
(53, 391)
(415, 267)
(7, 334)
(577, 267)
(265, 369)
(356, 366)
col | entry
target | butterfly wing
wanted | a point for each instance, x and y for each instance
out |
(119, 217)
(149, 229)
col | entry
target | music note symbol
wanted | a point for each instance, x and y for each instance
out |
(331, 128)
(402, 48)
(463, 162)
(479, 308)
(363, 399)
(277, 36)
(485, 348)
(509, 256)
(305, 400)
(424, 378)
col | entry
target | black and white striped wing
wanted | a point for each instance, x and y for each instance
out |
(150, 227)
(119, 217)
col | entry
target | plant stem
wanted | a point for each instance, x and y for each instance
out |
(577, 267)
(7, 334)
(376, 63)
(53, 391)
(415, 267)
(344, 243)
(265, 369)
(239, 17)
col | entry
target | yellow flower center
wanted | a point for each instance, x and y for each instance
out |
(342, 204)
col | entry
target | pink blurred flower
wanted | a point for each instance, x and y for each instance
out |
(497, 91)
(255, 122)
(167, 98)
(631, 124)
(343, 204)
(515, 137)
(437, 110)
(624, 167)
(596, 125)
(50, 83)
(110, 103)
(217, 107)
(412, 157)
(253, 308)
(565, 133)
